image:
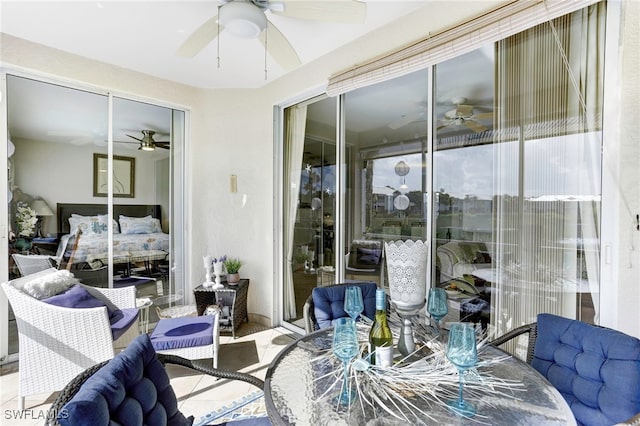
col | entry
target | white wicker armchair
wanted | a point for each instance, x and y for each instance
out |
(57, 343)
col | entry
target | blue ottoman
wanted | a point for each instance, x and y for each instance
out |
(188, 337)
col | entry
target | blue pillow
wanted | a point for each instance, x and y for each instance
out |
(78, 297)
(131, 389)
(596, 369)
(329, 302)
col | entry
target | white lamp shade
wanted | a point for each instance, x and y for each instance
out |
(11, 148)
(41, 208)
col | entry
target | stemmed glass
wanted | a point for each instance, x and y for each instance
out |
(353, 304)
(345, 347)
(437, 306)
(462, 352)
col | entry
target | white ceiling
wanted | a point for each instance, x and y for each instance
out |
(145, 36)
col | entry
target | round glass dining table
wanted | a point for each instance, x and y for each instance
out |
(301, 389)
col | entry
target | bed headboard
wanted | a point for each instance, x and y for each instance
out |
(133, 210)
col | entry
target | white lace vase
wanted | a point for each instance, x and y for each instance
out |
(407, 272)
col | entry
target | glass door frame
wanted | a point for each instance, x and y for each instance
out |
(178, 208)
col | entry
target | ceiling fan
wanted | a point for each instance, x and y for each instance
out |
(464, 115)
(248, 19)
(147, 143)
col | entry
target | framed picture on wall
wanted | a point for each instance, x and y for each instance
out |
(124, 173)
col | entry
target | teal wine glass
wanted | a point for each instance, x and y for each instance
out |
(463, 353)
(437, 306)
(353, 304)
(345, 347)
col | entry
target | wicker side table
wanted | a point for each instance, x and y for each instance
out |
(232, 296)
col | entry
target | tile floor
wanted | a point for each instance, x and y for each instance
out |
(251, 352)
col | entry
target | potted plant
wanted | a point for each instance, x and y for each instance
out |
(232, 265)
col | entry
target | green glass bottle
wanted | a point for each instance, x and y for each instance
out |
(380, 337)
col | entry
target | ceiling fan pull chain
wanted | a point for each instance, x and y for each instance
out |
(218, 37)
(266, 40)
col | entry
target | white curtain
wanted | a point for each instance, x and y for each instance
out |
(549, 97)
(295, 124)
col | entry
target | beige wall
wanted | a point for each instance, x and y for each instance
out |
(232, 133)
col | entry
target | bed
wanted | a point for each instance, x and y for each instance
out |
(137, 238)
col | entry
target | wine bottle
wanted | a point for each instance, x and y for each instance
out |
(380, 337)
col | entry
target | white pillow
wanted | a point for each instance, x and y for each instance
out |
(136, 225)
(157, 226)
(91, 224)
(44, 286)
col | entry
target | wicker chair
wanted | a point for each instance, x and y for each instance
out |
(30, 264)
(596, 369)
(126, 381)
(57, 343)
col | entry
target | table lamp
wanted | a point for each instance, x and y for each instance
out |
(42, 209)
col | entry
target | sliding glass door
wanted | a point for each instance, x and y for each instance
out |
(310, 202)
(493, 156)
(99, 202)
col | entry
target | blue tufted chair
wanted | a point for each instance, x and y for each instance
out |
(133, 388)
(327, 304)
(596, 369)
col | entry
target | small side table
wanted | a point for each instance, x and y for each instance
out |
(233, 296)
(143, 304)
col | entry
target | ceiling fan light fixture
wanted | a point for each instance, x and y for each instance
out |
(242, 19)
(147, 145)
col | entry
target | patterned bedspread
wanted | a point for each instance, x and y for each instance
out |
(93, 248)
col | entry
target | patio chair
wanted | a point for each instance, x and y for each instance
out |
(326, 304)
(596, 369)
(132, 388)
(365, 259)
(58, 342)
(30, 264)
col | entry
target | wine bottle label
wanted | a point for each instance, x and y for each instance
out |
(384, 356)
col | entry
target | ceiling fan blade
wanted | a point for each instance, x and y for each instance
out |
(464, 111)
(279, 47)
(347, 12)
(200, 38)
(484, 116)
(403, 121)
(135, 138)
(475, 126)
(163, 145)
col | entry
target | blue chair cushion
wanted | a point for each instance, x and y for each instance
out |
(121, 320)
(131, 389)
(596, 369)
(78, 297)
(185, 332)
(328, 302)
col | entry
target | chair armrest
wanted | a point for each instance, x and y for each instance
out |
(633, 421)
(532, 329)
(308, 315)
(215, 372)
(121, 297)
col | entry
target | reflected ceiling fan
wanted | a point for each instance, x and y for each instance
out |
(248, 19)
(464, 115)
(147, 143)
